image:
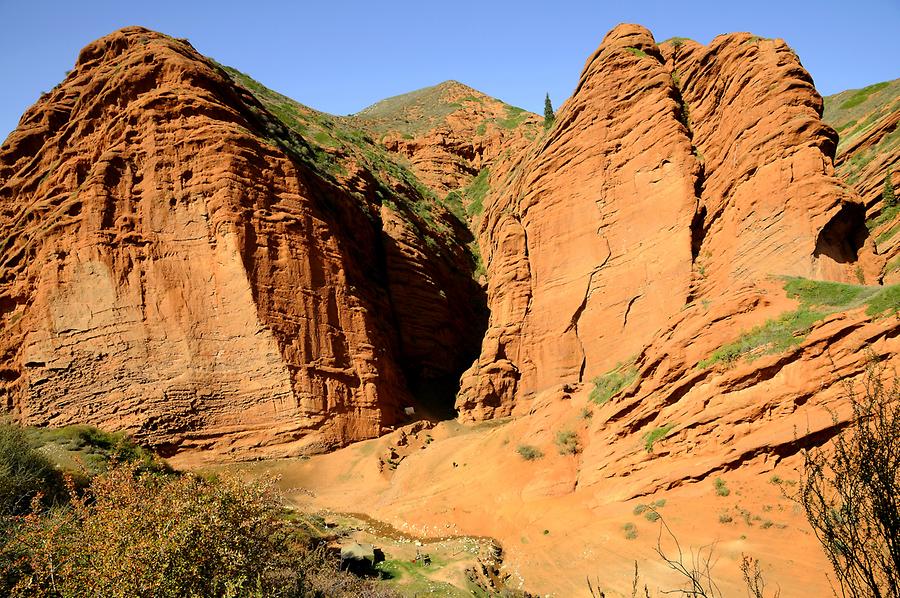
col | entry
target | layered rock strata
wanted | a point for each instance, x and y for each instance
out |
(674, 174)
(178, 264)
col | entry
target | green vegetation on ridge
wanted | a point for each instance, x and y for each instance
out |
(853, 111)
(477, 191)
(817, 300)
(333, 145)
(613, 382)
(422, 110)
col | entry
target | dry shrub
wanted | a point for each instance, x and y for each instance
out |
(142, 534)
(851, 495)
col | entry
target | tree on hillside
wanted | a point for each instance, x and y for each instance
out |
(851, 493)
(549, 117)
(887, 195)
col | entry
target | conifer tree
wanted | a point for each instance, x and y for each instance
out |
(887, 195)
(549, 117)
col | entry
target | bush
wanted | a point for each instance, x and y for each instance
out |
(851, 495)
(567, 443)
(529, 453)
(887, 194)
(721, 487)
(24, 472)
(652, 437)
(612, 383)
(148, 534)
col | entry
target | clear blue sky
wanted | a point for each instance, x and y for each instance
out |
(340, 56)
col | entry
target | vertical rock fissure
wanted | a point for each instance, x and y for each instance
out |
(699, 226)
(573, 325)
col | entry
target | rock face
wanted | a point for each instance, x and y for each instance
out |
(674, 174)
(180, 264)
(867, 120)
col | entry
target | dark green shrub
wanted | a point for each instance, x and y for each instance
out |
(149, 534)
(24, 472)
(549, 116)
(887, 194)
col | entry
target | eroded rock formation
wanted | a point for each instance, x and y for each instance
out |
(178, 263)
(674, 174)
(206, 264)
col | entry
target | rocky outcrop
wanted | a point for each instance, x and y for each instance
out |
(770, 200)
(674, 174)
(180, 264)
(711, 416)
(449, 132)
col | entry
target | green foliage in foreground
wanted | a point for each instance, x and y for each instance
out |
(24, 472)
(134, 534)
(34, 460)
(135, 531)
(817, 300)
(413, 579)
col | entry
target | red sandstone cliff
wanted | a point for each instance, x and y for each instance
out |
(674, 175)
(181, 264)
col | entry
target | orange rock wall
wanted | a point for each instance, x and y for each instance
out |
(673, 175)
(172, 271)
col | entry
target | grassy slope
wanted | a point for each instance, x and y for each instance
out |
(85, 451)
(337, 146)
(417, 112)
(817, 300)
(867, 148)
(855, 113)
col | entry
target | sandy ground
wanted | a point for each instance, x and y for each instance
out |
(456, 479)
